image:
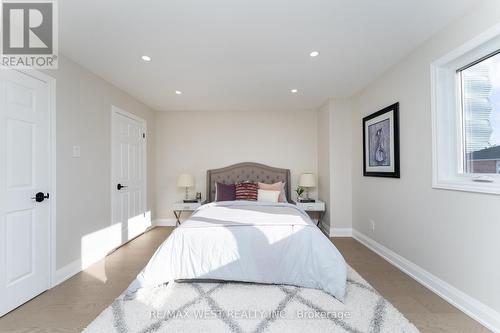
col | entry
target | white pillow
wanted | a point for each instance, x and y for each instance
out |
(268, 196)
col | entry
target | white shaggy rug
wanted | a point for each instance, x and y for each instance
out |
(245, 307)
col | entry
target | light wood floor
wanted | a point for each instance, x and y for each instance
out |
(72, 305)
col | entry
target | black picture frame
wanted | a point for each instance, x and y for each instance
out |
(394, 145)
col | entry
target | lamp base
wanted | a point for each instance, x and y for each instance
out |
(190, 200)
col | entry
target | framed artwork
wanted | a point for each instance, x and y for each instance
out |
(381, 143)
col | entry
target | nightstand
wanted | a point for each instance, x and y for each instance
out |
(180, 207)
(313, 207)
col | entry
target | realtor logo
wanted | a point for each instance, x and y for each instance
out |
(29, 36)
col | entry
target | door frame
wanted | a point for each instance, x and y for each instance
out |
(51, 82)
(117, 110)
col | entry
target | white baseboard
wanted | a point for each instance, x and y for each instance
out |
(95, 254)
(165, 222)
(64, 273)
(341, 232)
(469, 305)
(76, 267)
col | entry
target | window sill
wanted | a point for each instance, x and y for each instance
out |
(468, 185)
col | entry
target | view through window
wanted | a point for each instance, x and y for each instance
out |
(481, 116)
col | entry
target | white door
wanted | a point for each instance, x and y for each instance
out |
(129, 176)
(24, 171)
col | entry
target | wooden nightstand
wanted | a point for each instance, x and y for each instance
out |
(180, 207)
(313, 207)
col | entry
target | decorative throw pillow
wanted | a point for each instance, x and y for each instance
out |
(279, 186)
(225, 192)
(268, 196)
(246, 191)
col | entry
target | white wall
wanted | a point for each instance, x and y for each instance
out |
(324, 179)
(334, 163)
(452, 235)
(340, 162)
(193, 142)
(83, 103)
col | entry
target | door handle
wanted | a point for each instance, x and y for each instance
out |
(40, 196)
(120, 186)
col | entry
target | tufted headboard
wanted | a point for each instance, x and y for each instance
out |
(241, 172)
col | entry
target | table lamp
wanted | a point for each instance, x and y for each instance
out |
(307, 181)
(186, 181)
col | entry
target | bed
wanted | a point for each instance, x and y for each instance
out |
(257, 242)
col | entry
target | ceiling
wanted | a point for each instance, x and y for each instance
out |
(246, 54)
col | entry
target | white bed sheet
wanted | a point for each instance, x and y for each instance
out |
(248, 241)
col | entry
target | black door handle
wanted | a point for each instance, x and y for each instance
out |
(40, 196)
(120, 186)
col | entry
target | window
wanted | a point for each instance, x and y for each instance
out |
(466, 116)
(480, 104)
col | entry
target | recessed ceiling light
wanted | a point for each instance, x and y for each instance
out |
(146, 58)
(294, 91)
(178, 92)
(314, 54)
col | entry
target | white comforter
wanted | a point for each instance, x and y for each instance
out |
(252, 242)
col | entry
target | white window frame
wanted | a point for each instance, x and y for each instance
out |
(447, 122)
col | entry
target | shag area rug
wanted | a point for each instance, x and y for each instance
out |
(247, 307)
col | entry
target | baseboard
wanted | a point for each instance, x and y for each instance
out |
(75, 267)
(341, 232)
(64, 273)
(467, 304)
(165, 222)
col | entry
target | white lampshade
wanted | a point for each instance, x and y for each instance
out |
(185, 180)
(307, 180)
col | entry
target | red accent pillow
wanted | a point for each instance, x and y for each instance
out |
(247, 191)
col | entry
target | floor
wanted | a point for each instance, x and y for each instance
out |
(70, 306)
(426, 310)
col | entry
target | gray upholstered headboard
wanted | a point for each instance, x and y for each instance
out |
(241, 172)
